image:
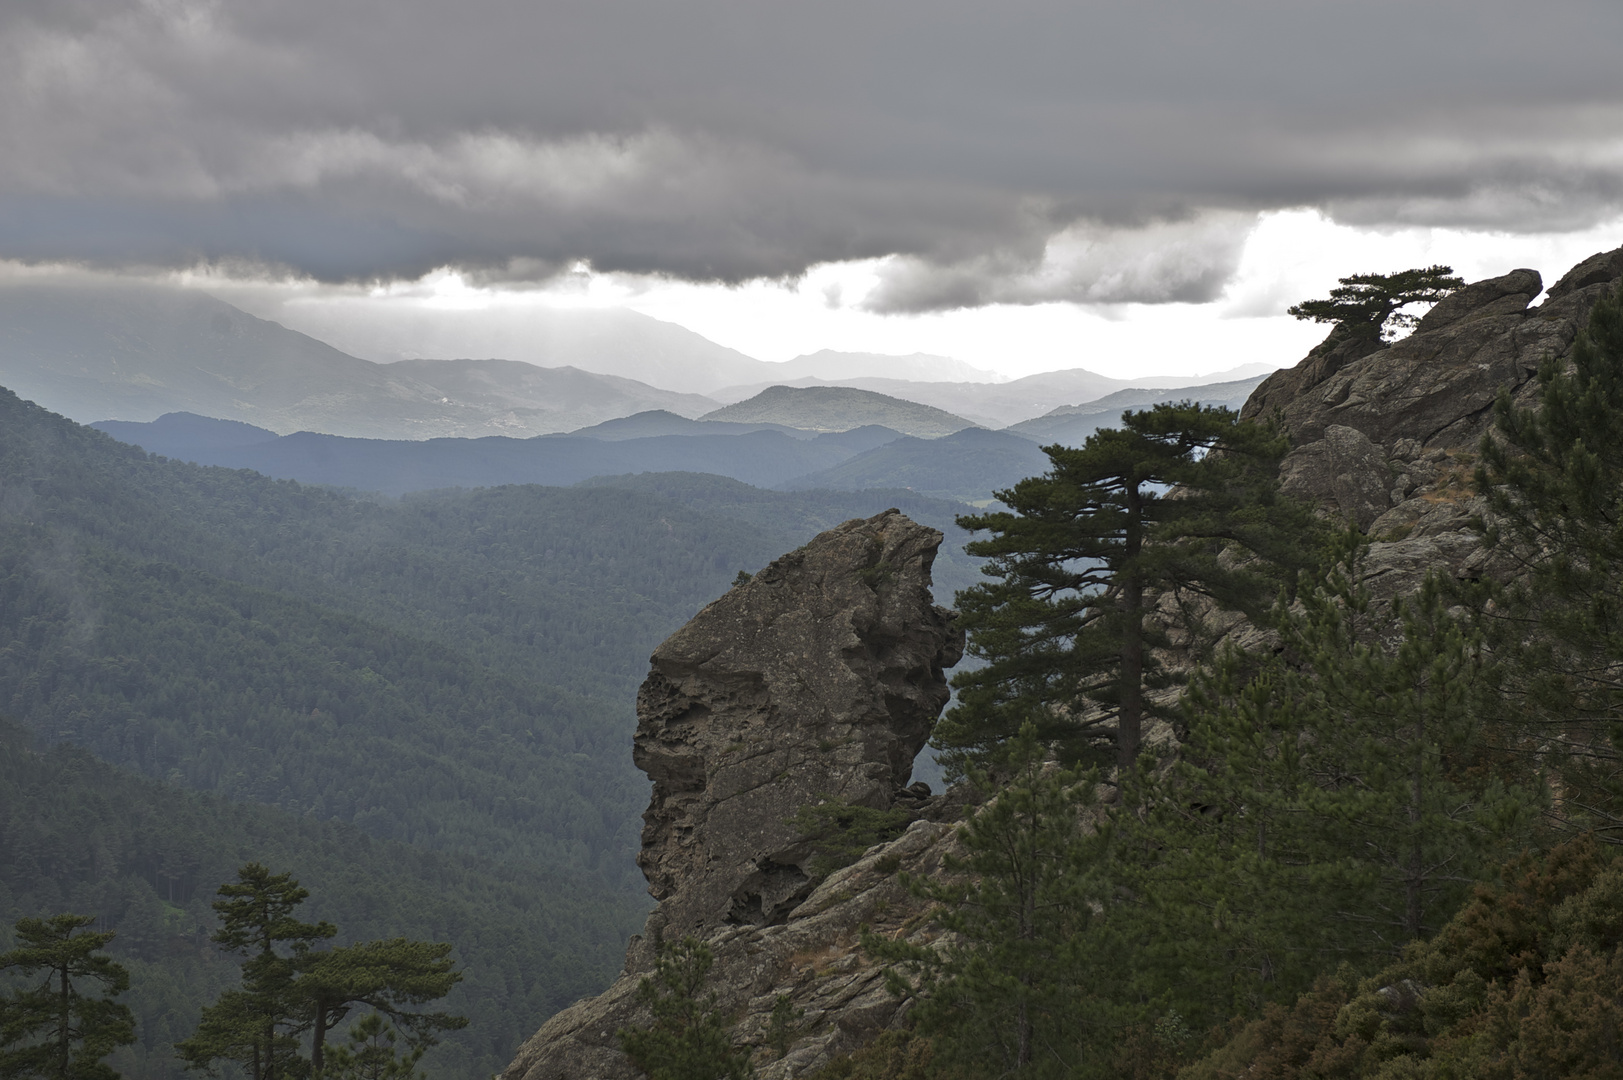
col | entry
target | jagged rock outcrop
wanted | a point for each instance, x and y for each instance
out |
(1386, 435)
(820, 677)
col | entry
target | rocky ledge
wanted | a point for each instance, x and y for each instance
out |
(819, 678)
(1386, 434)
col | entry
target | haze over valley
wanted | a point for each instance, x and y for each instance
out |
(646, 541)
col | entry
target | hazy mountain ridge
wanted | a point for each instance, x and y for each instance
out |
(611, 341)
(615, 341)
(832, 365)
(1072, 424)
(135, 352)
(968, 465)
(1001, 404)
(764, 458)
(840, 408)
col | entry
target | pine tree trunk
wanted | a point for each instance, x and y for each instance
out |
(1028, 932)
(64, 1028)
(1130, 711)
(1414, 900)
(317, 1042)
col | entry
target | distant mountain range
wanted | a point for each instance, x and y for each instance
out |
(830, 364)
(764, 458)
(1072, 424)
(837, 446)
(610, 341)
(998, 405)
(134, 352)
(968, 465)
(192, 377)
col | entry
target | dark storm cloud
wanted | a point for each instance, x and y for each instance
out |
(1019, 152)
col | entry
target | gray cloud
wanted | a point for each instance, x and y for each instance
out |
(1024, 152)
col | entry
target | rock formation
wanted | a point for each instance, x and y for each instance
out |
(819, 678)
(822, 676)
(1385, 434)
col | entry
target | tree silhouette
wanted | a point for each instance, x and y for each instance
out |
(1370, 305)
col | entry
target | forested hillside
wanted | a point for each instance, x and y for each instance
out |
(145, 858)
(453, 672)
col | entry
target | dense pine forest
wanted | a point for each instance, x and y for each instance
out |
(421, 707)
(1374, 824)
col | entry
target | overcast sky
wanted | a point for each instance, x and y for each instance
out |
(905, 165)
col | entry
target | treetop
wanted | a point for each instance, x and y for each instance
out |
(1370, 305)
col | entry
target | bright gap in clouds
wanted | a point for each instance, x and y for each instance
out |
(1289, 256)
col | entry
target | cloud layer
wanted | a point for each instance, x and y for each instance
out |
(1025, 152)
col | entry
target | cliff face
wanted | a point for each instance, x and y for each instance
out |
(1386, 435)
(823, 675)
(819, 678)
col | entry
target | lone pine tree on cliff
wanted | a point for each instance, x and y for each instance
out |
(1179, 508)
(1370, 305)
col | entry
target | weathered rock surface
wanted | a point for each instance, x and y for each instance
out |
(821, 677)
(1386, 435)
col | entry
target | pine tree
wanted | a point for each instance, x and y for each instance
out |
(1083, 552)
(372, 1053)
(689, 1038)
(290, 987)
(1336, 799)
(52, 1031)
(258, 1026)
(384, 976)
(1023, 988)
(1370, 305)
(1553, 477)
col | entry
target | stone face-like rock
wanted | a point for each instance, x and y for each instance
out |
(1328, 357)
(819, 678)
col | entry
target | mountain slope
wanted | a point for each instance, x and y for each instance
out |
(1070, 425)
(968, 466)
(144, 858)
(134, 352)
(611, 341)
(762, 457)
(839, 408)
(830, 364)
(997, 405)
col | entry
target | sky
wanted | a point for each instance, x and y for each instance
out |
(1023, 186)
